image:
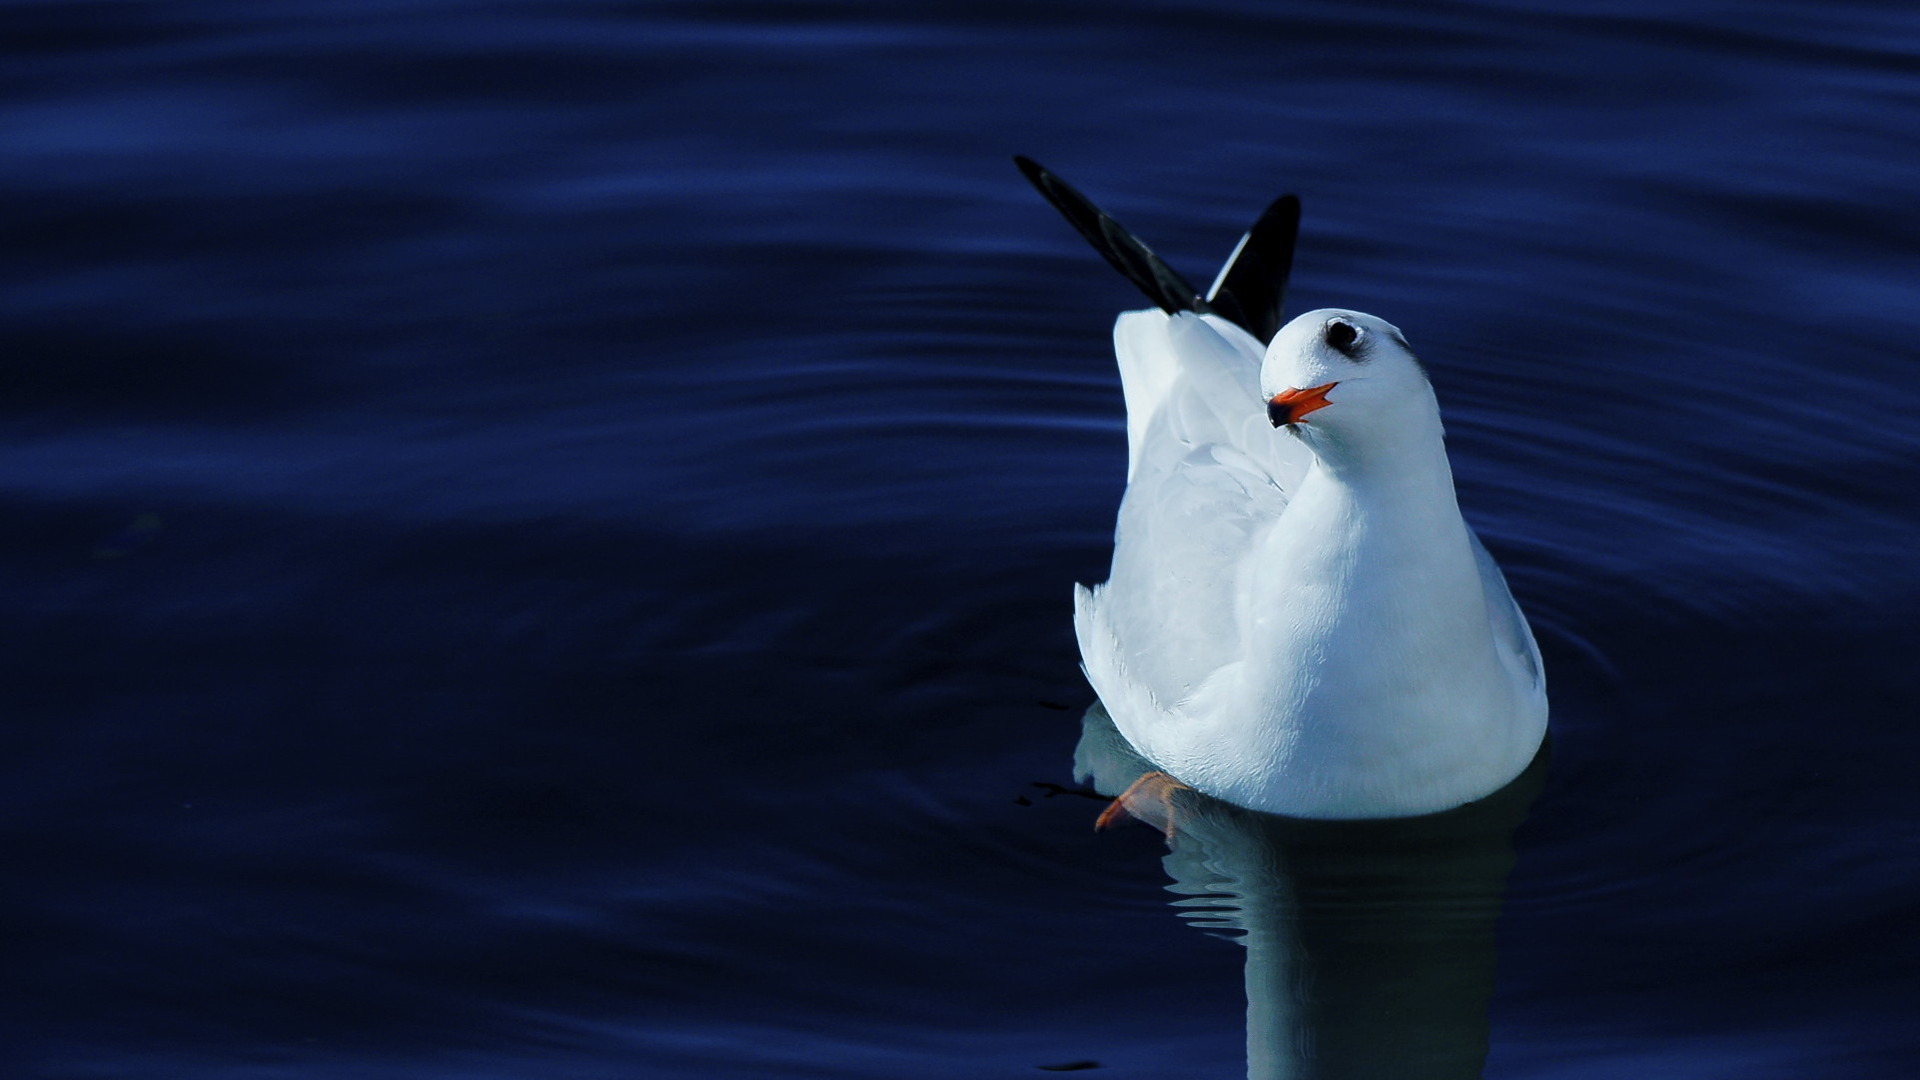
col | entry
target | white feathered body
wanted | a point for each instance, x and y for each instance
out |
(1317, 634)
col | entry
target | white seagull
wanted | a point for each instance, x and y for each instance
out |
(1298, 620)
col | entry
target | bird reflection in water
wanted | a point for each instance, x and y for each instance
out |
(1370, 944)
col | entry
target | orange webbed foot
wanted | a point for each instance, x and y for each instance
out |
(1148, 799)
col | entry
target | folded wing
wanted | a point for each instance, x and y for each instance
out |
(1207, 474)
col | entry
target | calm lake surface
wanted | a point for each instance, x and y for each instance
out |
(538, 535)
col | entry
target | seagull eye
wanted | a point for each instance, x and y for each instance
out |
(1342, 335)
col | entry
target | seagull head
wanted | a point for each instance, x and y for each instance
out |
(1337, 375)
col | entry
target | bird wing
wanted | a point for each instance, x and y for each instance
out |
(1208, 476)
(1510, 630)
(1251, 289)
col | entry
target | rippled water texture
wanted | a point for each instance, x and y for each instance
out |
(539, 534)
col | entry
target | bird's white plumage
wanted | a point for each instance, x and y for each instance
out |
(1298, 620)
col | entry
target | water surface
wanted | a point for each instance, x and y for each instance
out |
(540, 534)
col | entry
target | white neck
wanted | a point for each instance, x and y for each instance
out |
(1366, 627)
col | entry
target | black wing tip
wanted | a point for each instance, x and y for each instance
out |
(1053, 188)
(1035, 172)
(1123, 251)
(1253, 289)
(1282, 214)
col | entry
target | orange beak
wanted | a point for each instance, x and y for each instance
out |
(1292, 406)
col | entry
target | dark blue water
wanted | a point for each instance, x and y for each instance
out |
(538, 534)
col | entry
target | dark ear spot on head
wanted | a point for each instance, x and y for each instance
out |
(1342, 334)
